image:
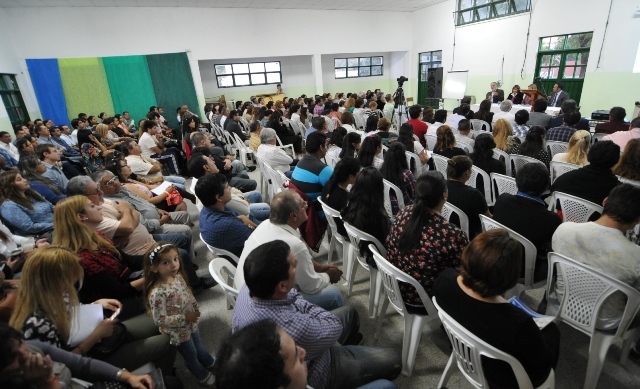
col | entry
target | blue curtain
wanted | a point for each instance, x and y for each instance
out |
(45, 78)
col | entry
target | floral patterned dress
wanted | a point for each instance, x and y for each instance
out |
(169, 304)
(441, 245)
(92, 157)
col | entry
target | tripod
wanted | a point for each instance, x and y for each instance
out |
(398, 97)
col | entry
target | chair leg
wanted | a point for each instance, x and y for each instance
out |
(597, 353)
(447, 373)
(411, 341)
(332, 246)
(352, 270)
(381, 315)
(374, 292)
(346, 260)
(630, 338)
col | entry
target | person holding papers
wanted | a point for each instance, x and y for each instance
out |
(473, 299)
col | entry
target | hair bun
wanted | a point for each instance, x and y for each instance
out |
(451, 162)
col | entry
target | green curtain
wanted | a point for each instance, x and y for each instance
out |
(130, 85)
(85, 86)
(173, 84)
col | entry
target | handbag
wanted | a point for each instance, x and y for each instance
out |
(109, 344)
(174, 198)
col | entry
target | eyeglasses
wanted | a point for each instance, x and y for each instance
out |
(304, 205)
(97, 191)
(111, 181)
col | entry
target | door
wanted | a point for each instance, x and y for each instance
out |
(426, 61)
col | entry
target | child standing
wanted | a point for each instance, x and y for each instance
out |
(175, 310)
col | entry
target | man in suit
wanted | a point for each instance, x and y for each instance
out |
(497, 94)
(568, 106)
(558, 96)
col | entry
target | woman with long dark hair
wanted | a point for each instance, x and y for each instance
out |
(365, 209)
(484, 113)
(285, 133)
(421, 242)
(23, 208)
(396, 170)
(335, 193)
(336, 141)
(350, 145)
(482, 155)
(32, 168)
(370, 148)
(372, 124)
(533, 146)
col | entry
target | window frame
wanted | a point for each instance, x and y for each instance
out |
(430, 63)
(248, 73)
(358, 67)
(563, 53)
(18, 113)
(493, 12)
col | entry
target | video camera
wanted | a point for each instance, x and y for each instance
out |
(401, 80)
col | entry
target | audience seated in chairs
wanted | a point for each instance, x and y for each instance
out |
(270, 271)
(285, 133)
(578, 149)
(592, 182)
(416, 251)
(469, 199)
(335, 143)
(526, 213)
(152, 144)
(311, 173)
(147, 168)
(533, 146)
(24, 210)
(313, 280)
(446, 143)
(564, 132)
(484, 113)
(271, 154)
(539, 117)
(473, 299)
(370, 152)
(47, 296)
(32, 169)
(335, 193)
(395, 169)
(482, 155)
(568, 106)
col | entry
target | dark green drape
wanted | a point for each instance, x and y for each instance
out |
(130, 85)
(172, 83)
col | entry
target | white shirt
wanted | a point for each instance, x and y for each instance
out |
(295, 118)
(307, 279)
(275, 157)
(147, 142)
(140, 166)
(453, 120)
(222, 120)
(12, 241)
(434, 127)
(74, 135)
(465, 139)
(508, 116)
(11, 149)
(71, 141)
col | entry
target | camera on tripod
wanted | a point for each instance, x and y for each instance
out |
(401, 80)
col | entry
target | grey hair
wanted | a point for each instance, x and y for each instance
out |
(78, 186)
(506, 106)
(197, 137)
(282, 205)
(99, 175)
(267, 134)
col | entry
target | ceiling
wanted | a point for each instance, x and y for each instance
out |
(355, 5)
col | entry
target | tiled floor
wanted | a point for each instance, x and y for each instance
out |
(434, 351)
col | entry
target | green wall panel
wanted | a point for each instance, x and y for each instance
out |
(130, 84)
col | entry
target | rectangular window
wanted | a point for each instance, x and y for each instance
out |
(472, 11)
(564, 56)
(246, 74)
(358, 67)
(12, 99)
(429, 60)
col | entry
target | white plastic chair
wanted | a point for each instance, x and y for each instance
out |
(287, 148)
(486, 183)
(519, 161)
(558, 168)
(242, 148)
(465, 146)
(331, 160)
(503, 184)
(628, 181)
(413, 323)
(574, 209)
(530, 253)
(504, 157)
(585, 291)
(417, 163)
(217, 252)
(450, 209)
(432, 140)
(331, 213)
(468, 350)
(388, 186)
(277, 178)
(556, 147)
(477, 125)
(375, 285)
(415, 138)
(264, 177)
(597, 137)
(223, 272)
(441, 164)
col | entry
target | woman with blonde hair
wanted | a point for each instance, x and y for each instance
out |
(109, 138)
(503, 136)
(248, 114)
(446, 143)
(629, 164)
(47, 300)
(576, 154)
(350, 105)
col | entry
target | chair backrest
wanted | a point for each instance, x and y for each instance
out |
(415, 138)
(356, 236)
(465, 146)
(220, 252)
(503, 184)
(530, 251)
(469, 349)
(585, 290)
(596, 137)
(223, 273)
(486, 183)
(558, 168)
(574, 209)
(518, 161)
(388, 186)
(391, 275)
(628, 181)
(478, 125)
(331, 160)
(418, 167)
(441, 164)
(277, 178)
(504, 157)
(432, 140)
(450, 209)
(330, 213)
(555, 147)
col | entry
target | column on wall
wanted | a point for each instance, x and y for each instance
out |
(316, 69)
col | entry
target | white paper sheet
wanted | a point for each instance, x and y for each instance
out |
(85, 319)
(161, 188)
